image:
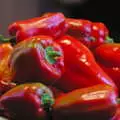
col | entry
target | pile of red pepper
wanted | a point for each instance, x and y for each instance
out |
(57, 68)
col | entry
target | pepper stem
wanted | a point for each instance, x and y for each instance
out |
(3, 39)
(47, 101)
(7, 40)
(109, 39)
(51, 54)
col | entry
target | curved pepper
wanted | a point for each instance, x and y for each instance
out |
(38, 58)
(92, 34)
(27, 102)
(108, 57)
(81, 69)
(52, 24)
(93, 103)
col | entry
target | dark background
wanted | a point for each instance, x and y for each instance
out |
(106, 11)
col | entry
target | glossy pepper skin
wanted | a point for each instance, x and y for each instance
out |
(52, 24)
(92, 103)
(81, 69)
(108, 56)
(91, 34)
(27, 102)
(99, 34)
(38, 58)
(5, 73)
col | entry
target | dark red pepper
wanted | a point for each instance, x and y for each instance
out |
(81, 69)
(56, 92)
(27, 102)
(52, 24)
(108, 57)
(38, 58)
(93, 103)
(92, 34)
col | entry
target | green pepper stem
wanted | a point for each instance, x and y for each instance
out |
(3, 39)
(6, 40)
(46, 99)
(51, 54)
(109, 39)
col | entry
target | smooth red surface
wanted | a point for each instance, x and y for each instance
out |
(109, 54)
(108, 57)
(81, 69)
(52, 24)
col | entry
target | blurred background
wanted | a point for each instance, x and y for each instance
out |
(106, 11)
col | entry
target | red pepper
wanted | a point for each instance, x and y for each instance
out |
(5, 73)
(100, 34)
(38, 58)
(81, 69)
(52, 24)
(89, 33)
(108, 57)
(27, 102)
(93, 103)
(56, 92)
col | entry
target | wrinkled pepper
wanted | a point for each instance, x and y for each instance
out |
(52, 24)
(91, 34)
(81, 69)
(38, 58)
(108, 57)
(98, 102)
(27, 102)
(5, 73)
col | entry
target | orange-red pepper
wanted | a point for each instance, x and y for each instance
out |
(93, 103)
